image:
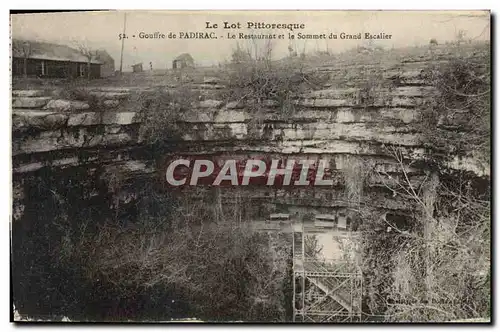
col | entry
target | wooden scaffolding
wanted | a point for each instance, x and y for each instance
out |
(324, 290)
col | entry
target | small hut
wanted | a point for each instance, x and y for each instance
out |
(184, 60)
(137, 68)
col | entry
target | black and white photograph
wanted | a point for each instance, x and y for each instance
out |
(258, 166)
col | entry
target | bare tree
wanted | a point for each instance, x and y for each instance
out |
(461, 34)
(24, 49)
(441, 269)
(259, 50)
(89, 52)
(240, 55)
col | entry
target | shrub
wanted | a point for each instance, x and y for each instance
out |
(355, 172)
(79, 90)
(457, 122)
(262, 83)
(220, 266)
(177, 258)
(161, 110)
(445, 266)
(434, 265)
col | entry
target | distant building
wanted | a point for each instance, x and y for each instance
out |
(184, 60)
(108, 63)
(50, 60)
(137, 68)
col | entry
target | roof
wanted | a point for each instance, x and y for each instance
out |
(184, 57)
(49, 51)
(103, 56)
(325, 216)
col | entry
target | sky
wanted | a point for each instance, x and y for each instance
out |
(102, 29)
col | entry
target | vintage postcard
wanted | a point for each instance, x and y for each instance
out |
(251, 166)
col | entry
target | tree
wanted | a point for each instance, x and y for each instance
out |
(461, 34)
(240, 56)
(87, 51)
(24, 49)
(441, 270)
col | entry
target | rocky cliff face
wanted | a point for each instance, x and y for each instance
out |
(79, 145)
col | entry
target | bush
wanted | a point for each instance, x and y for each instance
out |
(176, 258)
(432, 266)
(161, 110)
(179, 258)
(443, 270)
(219, 266)
(458, 121)
(262, 83)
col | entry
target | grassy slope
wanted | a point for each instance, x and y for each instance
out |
(362, 57)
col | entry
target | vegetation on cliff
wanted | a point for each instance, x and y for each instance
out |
(457, 121)
(78, 253)
(209, 254)
(435, 264)
(166, 256)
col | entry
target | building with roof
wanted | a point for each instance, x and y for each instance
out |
(107, 63)
(184, 60)
(41, 59)
(137, 68)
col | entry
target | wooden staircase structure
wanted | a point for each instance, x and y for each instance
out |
(323, 290)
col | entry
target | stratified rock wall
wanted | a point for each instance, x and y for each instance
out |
(338, 122)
